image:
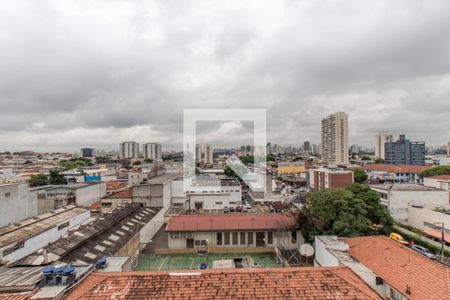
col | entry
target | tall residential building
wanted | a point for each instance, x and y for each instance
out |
(129, 150)
(404, 152)
(87, 152)
(208, 154)
(335, 138)
(198, 153)
(153, 151)
(307, 146)
(380, 139)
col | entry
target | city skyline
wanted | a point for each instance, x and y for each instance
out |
(130, 73)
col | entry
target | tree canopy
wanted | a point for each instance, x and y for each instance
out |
(38, 180)
(74, 163)
(360, 176)
(346, 212)
(440, 170)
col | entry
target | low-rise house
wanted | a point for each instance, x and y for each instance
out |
(17, 203)
(393, 270)
(22, 239)
(397, 197)
(156, 192)
(233, 231)
(319, 179)
(115, 186)
(211, 194)
(258, 283)
(394, 173)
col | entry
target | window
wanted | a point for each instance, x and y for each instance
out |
(13, 248)
(106, 204)
(232, 202)
(7, 195)
(63, 225)
(242, 238)
(396, 295)
(270, 237)
(227, 238)
(250, 238)
(219, 238)
(293, 237)
(235, 238)
(218, 203)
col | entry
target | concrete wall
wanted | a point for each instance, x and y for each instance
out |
(151, 228)
(322, 256)
(178, 195)
(417, 217)
(17, 203)
(90, 194)
(215, 201)
(437, 183)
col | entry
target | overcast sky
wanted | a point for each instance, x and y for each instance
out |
(95, 73)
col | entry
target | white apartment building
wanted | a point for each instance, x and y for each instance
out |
(335, 138)
(213, 194)
(17, 203)
(208, 154)
(397, 197)
(198, 153)
(153, 151)
(129, 150)
(380, 139)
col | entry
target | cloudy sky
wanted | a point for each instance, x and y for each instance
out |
(94, 73)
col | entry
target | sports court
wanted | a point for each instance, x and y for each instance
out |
(192, 261)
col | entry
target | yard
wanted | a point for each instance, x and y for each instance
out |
(192, 261)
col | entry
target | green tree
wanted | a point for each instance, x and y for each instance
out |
(379, 161)
(249, 159)
(148, 160)
(55, 177)
(137, 163)
(440, 170)
(270, 157)
(230, 173)
(360, 176)
(38, 180)
(366, 158)
(345, 212)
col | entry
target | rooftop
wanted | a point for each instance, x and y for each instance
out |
(116, 185)
(216, 222)
(76, 186)
(101, 237)
(395, 168)
(125, 194)
(25, 229)
(440, 177)
(163, 178)
(259, 283)
(405, 187)
(401, 267)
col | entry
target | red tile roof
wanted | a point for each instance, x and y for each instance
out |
(18, 296)
(440, 177)
(395, 168)
(276, 283)
(239, 221)
(116, 185)
(125, 194)
(400, 267)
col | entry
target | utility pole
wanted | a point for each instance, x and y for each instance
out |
(442, 236)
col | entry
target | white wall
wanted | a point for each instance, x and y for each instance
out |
(437, 183)
(90, 194)
(151, 228)
(417, 216)
(17, 203)
(322, 256)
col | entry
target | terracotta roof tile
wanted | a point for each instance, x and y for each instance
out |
(125, 194)
(214, 222)
(116, 185)
(18, 295)
(275, 283)
(401, 267)
(396, 168)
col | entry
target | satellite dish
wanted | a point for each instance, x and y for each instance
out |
(306, 250)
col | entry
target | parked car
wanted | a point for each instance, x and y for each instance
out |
(238, 208)
(397, 237)
(232, 209)
(245, 209)
(271, 209)
(226, 210)
(424, 251)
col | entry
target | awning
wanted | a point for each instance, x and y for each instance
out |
(437, 234)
